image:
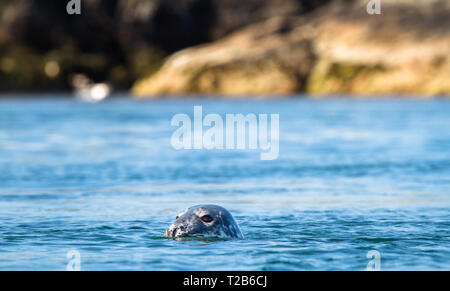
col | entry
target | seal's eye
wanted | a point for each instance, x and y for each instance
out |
(206, 218)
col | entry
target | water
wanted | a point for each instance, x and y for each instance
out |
(102, 179)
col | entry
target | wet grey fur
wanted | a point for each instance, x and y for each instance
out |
(189, 223)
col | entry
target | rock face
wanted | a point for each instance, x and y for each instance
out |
(406, 51)
(337, 49)
(261, 59)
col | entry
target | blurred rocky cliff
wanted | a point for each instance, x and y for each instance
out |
(230, 47)
(336, 49)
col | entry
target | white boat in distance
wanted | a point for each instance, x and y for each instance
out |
(88, 91)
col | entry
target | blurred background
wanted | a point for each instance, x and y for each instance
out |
(254, 47)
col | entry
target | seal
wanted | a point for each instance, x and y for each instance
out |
(205, 221)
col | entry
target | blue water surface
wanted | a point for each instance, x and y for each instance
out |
(103, 179)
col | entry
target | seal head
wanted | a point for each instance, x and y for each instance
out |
(205, 221)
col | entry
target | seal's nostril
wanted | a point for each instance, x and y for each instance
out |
(171, 232)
